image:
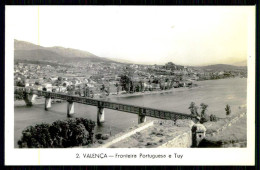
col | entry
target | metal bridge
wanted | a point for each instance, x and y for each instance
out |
(101, 104)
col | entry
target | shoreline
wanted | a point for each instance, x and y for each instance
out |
(152, 92)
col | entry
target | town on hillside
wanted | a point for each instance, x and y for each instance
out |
(99, 79)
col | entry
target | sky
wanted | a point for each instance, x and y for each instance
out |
(185, 35)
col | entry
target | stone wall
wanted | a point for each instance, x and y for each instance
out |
(183, 140)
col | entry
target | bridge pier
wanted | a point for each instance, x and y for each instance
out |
(141, 118)
(100, 115)
(70, 109)
(29, 99)
(47, 103)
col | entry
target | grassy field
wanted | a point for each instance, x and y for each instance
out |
(234, 135)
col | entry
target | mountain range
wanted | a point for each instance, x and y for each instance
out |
(222, 67)
(25, 51)
(28, 51)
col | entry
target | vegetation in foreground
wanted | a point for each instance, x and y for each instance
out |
(232, 136)
(59, 134)
(202, 116)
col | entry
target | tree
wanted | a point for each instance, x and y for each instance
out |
(37, 83)
(213, 118)
(141, 86)
(150, 84)
(107, 90)
(126, 78)
(203, 115)
(131, 88)
(87, 91)
(193, 109)
(117, 88)
(125, 82)
(71, 90)
(102, 88)
(156, 80)
(59, 78)
(161, 85)
(59, 134)
(19, 94)
(228, 110)
(58, 82)
(203, 109)
(91, 94)
(170, 66)
(137, 87)
(20, 83)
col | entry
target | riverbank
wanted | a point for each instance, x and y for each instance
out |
(153, 92)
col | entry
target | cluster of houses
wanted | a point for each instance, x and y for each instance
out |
(94, 76)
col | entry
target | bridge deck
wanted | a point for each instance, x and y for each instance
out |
(146, 111)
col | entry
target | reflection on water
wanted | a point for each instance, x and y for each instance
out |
(215, 93)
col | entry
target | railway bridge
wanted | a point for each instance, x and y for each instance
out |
(30, 95)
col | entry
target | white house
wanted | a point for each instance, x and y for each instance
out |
(48, 86)
(53, 78)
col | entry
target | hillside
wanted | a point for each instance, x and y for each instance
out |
(28, 51)
(222, 67)
(122, 61)
(240, 63)
(23, 45)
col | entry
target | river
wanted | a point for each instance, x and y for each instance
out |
(215, 93)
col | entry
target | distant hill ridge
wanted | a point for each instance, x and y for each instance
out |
(222, 67)
(28, 51)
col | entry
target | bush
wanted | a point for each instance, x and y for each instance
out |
(193, 109)
(37, 136)
(204, 118)
(213, 118)
(60, 134)
(228, 110)
(203, 109)
(19, 94)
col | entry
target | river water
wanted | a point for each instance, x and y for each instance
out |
(215, 93)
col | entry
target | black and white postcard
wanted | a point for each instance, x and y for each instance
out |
(139, 85)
